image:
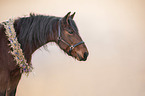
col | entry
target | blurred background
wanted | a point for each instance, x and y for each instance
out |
(114, 32)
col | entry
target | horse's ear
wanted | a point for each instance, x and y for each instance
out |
(66, 17)
(72, 16)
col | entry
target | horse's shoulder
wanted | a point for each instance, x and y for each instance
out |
(2, 28)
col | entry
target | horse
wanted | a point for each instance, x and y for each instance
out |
(34, 32)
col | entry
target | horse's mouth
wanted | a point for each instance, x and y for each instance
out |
(79, 58)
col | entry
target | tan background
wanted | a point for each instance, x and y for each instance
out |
(114, 32)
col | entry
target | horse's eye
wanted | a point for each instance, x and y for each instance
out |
(71, 32)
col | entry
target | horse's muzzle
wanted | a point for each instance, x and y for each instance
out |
(84, 57)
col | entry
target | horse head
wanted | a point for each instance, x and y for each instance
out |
(69, 38)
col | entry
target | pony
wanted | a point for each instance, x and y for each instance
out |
(33, 32)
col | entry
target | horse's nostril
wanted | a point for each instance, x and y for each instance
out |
(85, 55)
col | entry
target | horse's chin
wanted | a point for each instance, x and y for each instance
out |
(79, 58)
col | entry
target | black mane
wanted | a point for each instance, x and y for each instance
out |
(34, 30)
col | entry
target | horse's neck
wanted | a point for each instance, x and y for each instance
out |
(30, 50)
